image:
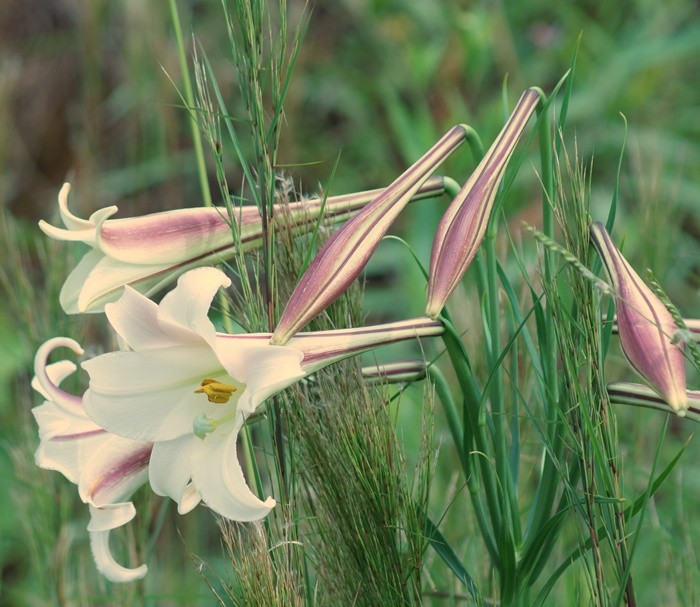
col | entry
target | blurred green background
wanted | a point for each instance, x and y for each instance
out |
(88, 93)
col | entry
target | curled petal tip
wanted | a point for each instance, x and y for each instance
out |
(107, 566)
(102, 521)
(50, 388)
(63, 193)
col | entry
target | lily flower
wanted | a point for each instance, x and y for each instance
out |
(189, 389)
(638, 395)
(646, 327)
(345, 254)
(106, 468)
(463, 226)
(151, 251)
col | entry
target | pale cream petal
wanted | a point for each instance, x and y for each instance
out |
(98, 280)
(263, 368)
(135, 319)
(67, 439)
(151, 395)
(103, 520)
(170, 237)
(190, 499)
(218, 477)
(169, 471)
(187, 306)
(114, 471)
(56, 372)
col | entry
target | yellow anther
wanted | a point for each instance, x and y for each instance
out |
(216, 391)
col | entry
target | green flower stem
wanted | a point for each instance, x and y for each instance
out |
(475, 143)
(452, 188)
(496, 378)
(449, 407)
(189, 98)
(545, 146)
(474, 419)
(514, 451)
(546, 489)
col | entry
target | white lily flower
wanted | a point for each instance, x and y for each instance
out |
(189, 389)
(107, 468)
(151, 251)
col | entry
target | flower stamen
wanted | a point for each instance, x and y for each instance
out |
(216, 391)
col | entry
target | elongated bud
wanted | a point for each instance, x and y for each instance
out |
(463, 225)
(150, 251)
(646, 327)
(344, 255)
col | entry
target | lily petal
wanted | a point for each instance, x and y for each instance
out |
(135, 319)
(66, 440)
(106, 468)
(218, 477)
(169, 472)
(187, 305)
(170, 236)
(103, 520)
(77, 229)
(50, 390)
(321, 348)
(98, 280)
(267, 369)
(646, 327)
(115, 470)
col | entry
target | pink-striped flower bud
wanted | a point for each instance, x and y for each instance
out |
(646, 327)
(463, 226)
(346, 253)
